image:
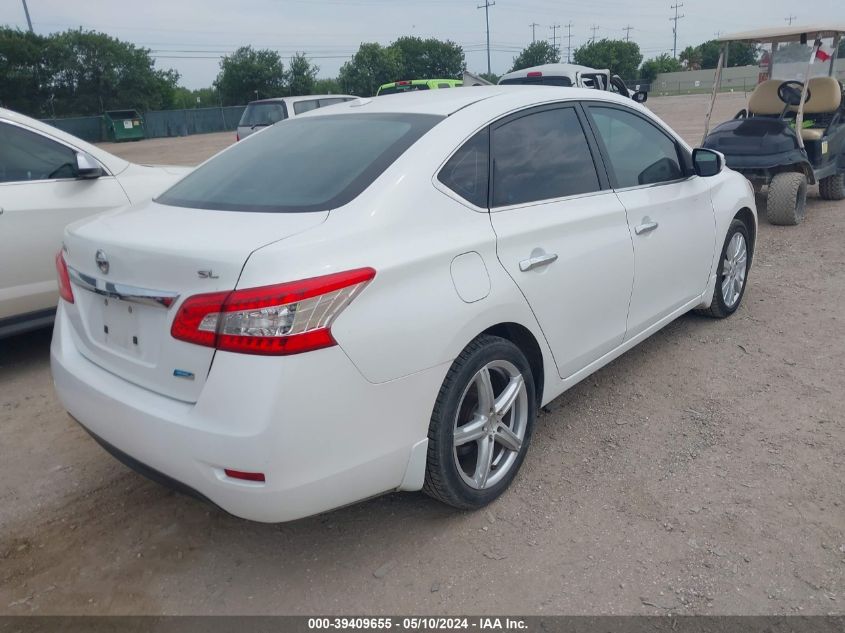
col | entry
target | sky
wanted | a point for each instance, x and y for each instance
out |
(192, 35)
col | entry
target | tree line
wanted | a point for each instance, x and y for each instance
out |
(77, 72)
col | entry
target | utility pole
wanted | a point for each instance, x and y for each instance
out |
(677, 17)
(28, 20)
(568, 42)
(789, 19)
(533, 26)
(486, 6)
(555, 37)
(594, 28)
(628, 30)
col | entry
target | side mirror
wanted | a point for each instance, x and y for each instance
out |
(87, 167)
(640, 96)
(707, 162)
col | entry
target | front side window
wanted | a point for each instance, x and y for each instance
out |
(639, 153)
(304, 164)
(467, 172)
(301, 107)
(25, 156)
(541, 156)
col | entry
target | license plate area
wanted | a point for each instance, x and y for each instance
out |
(125, 328)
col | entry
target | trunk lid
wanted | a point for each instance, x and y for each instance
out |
(157, 256)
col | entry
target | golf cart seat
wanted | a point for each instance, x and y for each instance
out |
(764, 101)
(823, 104)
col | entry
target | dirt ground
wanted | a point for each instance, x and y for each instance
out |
(702, 472)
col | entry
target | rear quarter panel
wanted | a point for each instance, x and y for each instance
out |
(411, 316)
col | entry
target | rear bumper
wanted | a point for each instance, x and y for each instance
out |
(322, 435)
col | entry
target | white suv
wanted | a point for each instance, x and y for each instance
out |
(266, 112)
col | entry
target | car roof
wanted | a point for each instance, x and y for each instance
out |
(785, 33)
(566, 70)
(447, 102)
(114, 164)
(301, 98)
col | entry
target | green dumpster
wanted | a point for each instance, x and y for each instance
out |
(124, 125)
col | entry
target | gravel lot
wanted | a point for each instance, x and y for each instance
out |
(702, 472)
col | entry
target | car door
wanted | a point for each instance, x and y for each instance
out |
(39, 196)
(561, 233)
(669, 211)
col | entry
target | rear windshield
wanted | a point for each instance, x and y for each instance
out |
(538, 81)
(262, 114)
(308, 164)
(392, 90)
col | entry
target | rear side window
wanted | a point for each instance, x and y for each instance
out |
(304, 164)
(444, 85)
(541, 156)
(301, 107)
(467, 172)
(327, 102)
(639, 153)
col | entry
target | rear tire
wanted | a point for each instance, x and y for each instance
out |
(786, 202)
(481, 424)
(732, 273)
(832, 187)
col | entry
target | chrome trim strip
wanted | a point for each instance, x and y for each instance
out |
(132, 294)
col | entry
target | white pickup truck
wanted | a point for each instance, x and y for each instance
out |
(572, 75)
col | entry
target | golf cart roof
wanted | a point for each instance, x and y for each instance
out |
(785, 33)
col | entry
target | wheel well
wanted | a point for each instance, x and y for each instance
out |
(522, 337)
(745, 216)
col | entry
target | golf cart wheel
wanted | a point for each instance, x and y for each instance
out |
(786, 202)
(832, 187)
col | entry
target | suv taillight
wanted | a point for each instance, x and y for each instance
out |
(65, 291)
(288, 318)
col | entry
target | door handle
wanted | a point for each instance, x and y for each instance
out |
(645, 227)
(535, 262)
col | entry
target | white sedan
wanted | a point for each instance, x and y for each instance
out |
(379, 296)
(49, 179)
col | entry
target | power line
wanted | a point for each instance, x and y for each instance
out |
(789, 19)
(533, 26)
(486, 6)
(677, 17)
(627, 30)
(569, 42)
(594, 28)
(555, 36)
(28, 20)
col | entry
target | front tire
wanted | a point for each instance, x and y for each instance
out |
(786, 202)
(481, 424)
(732, 273)
(832, 187)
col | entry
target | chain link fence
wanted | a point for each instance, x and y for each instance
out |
(158, 123)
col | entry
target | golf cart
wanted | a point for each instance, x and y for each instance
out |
(793, 132)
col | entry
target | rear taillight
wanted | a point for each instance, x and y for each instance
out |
(65, 291)
(237, 136)
(288, 318)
